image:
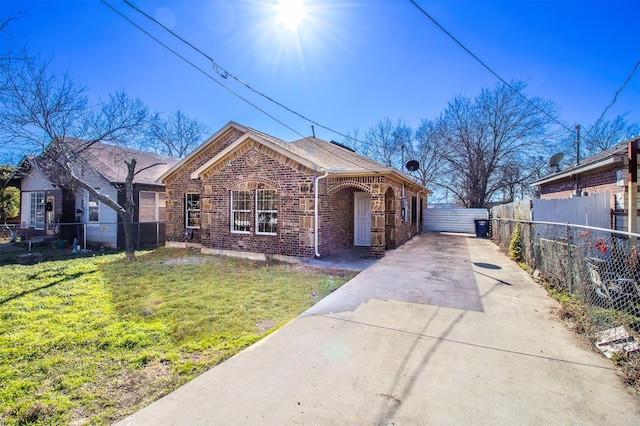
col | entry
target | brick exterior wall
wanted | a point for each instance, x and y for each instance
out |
(600, 180)
(255, 166)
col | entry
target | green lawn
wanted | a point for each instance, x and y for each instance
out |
(91, 340)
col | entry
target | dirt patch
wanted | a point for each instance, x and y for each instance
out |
(265, 325)
(189, 260)
(138, 388)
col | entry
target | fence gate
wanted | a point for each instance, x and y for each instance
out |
(452, 220)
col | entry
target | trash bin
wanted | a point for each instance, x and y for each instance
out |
(482, 228)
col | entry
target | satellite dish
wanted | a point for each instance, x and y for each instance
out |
(413, 165)
(554, 161)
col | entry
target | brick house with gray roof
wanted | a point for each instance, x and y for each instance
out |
(604, 172)
(244, 191)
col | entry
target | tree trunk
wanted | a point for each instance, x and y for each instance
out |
(129, 242)
(127, 216)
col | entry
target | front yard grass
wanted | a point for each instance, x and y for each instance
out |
(91, 340)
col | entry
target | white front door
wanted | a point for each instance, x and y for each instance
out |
(362, 220)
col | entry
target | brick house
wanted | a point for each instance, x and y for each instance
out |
(606, 171)
(242, 190)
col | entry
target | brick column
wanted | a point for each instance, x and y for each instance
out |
(377, 221)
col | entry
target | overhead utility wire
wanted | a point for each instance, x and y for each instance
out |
(615, 97)
(225, 87)
(199, 69)
(489, 68)
(226, 73)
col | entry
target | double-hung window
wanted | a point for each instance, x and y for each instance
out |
(266, 212)
(152, 206)
(192, 210)
(240, 211)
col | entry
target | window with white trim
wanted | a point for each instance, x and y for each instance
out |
(152, 206)
(241, 211)
(192, 210)
(266, 212)
(36, 210)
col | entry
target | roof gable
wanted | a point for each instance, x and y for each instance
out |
(275, 144)
(202, 147)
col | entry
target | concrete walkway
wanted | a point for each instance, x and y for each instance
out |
(444, 330)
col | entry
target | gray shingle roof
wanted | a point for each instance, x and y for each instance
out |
(109, 160)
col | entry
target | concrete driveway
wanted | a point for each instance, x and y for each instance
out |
(444, 330)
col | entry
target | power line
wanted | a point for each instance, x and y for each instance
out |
(517, 92)
(199, 69)
(225, 73)
(615, 97)
(221, 84)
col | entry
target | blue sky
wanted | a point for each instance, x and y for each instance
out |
(349, 63)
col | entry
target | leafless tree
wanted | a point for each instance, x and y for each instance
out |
(50, 113)
(386, 139)
(608, 133)
(425, 150)
(176, 135)
(354, 141)
(486, 138)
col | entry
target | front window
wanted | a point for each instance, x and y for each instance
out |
(266, 211)
(36, 210)
(94, 208)
(240, 211)
(192, 210)
(152, 206)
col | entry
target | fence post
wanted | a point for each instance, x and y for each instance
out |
(569, 259)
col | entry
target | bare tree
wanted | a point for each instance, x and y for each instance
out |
(40, 110)
(353, 140)
(176, 135)
(386, 139)
(426, 149)
(486, 138)
(607, 133)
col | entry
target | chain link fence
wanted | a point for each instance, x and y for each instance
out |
(600, 267)
(92, 235)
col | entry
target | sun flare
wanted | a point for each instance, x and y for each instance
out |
(291, 13)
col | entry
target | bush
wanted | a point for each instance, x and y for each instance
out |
(515, 246)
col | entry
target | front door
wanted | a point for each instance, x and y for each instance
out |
(362, 220)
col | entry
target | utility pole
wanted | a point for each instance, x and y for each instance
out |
(633, 185)
(577, 191)
(577, 144)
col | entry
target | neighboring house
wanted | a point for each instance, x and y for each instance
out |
(243, 190)
(47, 209)
(606, 171)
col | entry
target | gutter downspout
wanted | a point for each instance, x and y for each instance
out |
(315, 213)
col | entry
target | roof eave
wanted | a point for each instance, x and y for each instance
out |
(577, 170)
